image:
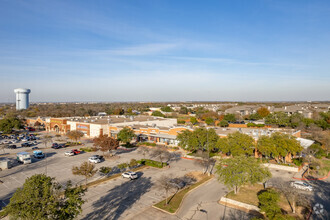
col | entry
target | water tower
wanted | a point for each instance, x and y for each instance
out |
(22, 98)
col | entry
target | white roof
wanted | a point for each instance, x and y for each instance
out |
(305, 143)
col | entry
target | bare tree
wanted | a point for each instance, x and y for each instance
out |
(206, 163)
(165, 184)
(292, 195)
(75, 135)
(46, 140)
(144, 151)
(86, 169)
(161, 153)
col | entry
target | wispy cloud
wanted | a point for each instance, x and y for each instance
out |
(234, 61)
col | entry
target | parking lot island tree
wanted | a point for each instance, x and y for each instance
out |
(75, 135)
(161, 153)
(241, 170)
(86, 169)
(41, 197)
(105, 143)
(126, 135)
(165, 184)
(144, 151)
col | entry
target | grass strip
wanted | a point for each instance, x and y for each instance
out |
(175, 202)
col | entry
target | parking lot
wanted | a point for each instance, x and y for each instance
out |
(122, 198)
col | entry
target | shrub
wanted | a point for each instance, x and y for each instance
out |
(122, 166)
(298, 161)
(146, 144)
(152, 163)
(181, 121)
(133, 163)
(268, 202)
(86, 149)
(105, 170)
(321, 153)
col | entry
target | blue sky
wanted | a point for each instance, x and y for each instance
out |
(158, 50)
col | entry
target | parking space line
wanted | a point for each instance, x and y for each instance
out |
(16, 180)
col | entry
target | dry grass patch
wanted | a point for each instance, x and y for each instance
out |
(247, 194)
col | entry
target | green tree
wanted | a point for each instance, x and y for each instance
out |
(183, 110)
(209, 121)
(278, 118)
(223, 123)
(166, 109)
(237, 144)
(193, 120)
(255, 116)
(238, 171)
(9, 123)
(85, 169)
(158, 114)
(200, 139)
(230, 117)
(268, 203)
(278, 146)
(126, 135)
(296, 119)
(42, 198)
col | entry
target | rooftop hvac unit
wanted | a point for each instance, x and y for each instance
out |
(153, 125)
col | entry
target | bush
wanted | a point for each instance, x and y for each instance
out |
(268, 202)
(122, 166)
(321, 153)
(133, 163)
(87, 149)
(298, 161)
(146, 144)
(105, 170)
(181, 121)
(152, 163)
(223, 123)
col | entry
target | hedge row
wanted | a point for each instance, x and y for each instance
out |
(152, 163)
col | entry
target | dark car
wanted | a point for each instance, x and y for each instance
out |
(11, 147)
(26, 145)
(56, 146)
(62, 145)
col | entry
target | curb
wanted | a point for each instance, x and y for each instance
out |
(239, 205)
(182, 198)
(322, 178)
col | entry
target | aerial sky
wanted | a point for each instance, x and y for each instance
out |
(165, 50)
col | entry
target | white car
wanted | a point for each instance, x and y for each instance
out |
(301, 185)
(130, 175)
(69, 153)
(95, 159)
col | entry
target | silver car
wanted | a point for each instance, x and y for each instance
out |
(301, 185)
(130, 175)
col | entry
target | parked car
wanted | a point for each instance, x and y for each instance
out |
(34, 148)
(301, 185)
(72, 152)
(62, 145)
(75, 151)
(69, 153)
(12, 146)
(26, 145)
(130, 175)
(95, 159)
